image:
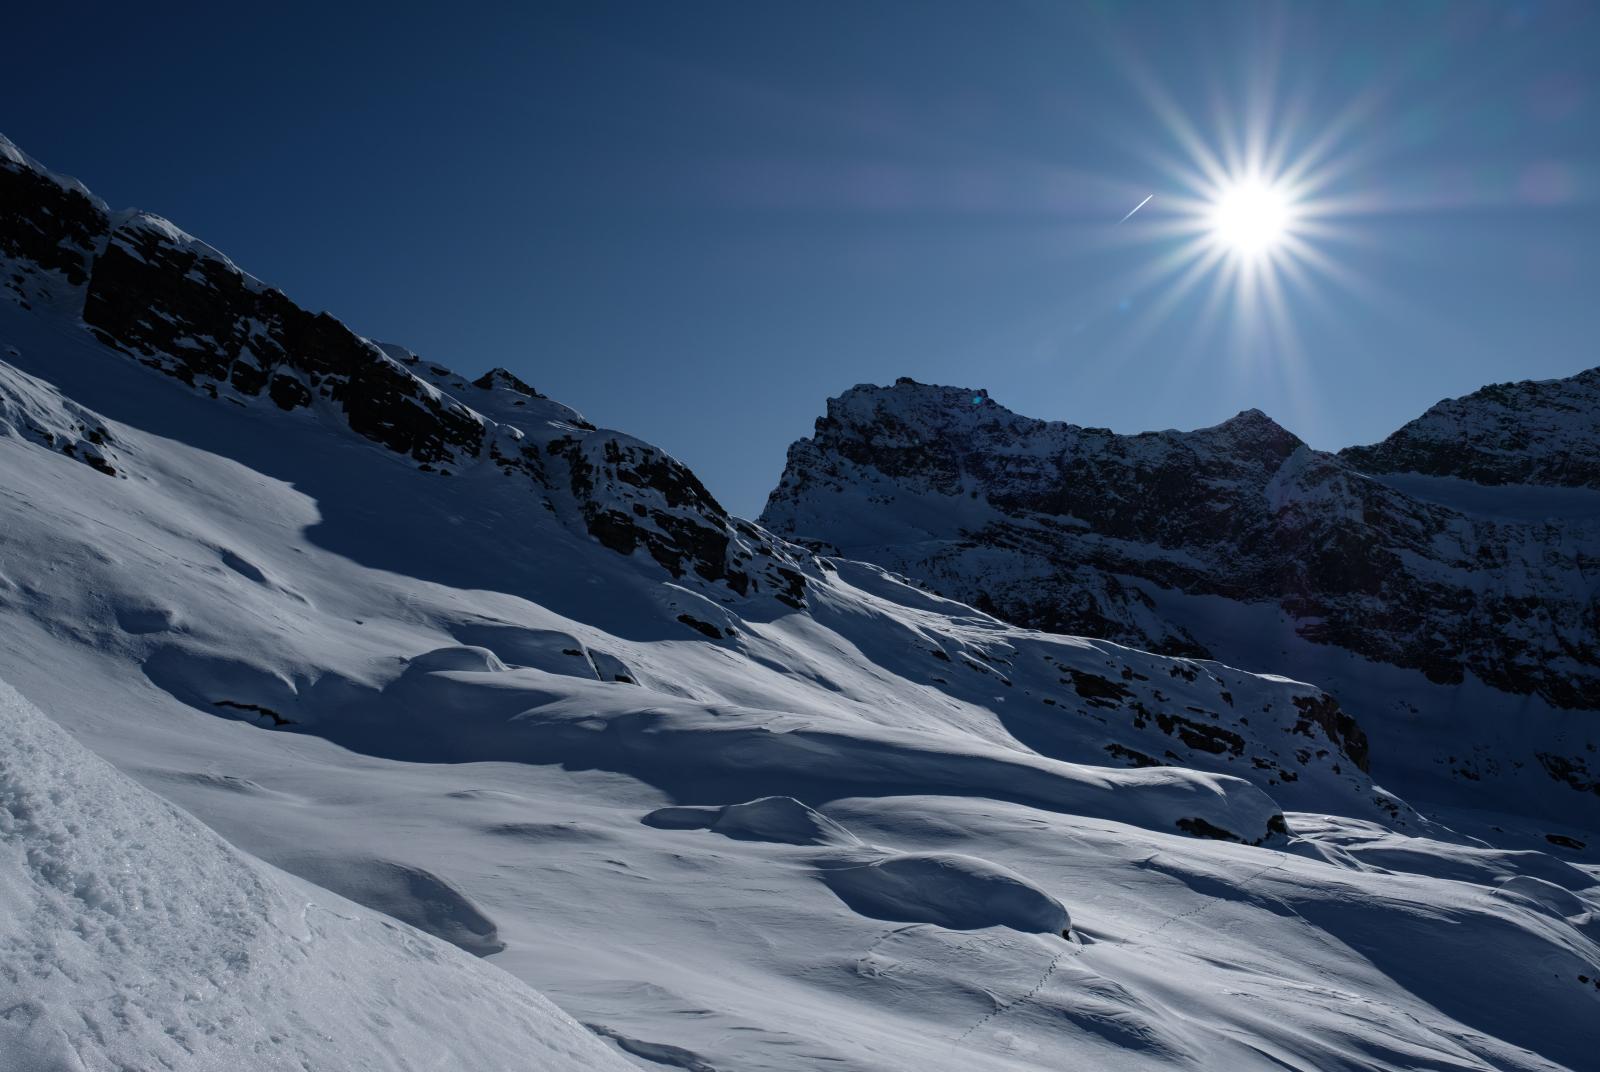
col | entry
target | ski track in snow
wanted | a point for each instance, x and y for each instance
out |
(1200, 909)
(1003, 1008)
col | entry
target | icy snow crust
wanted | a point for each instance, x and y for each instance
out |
(133, 937)
(869, 829)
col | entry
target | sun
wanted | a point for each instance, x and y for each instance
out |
(1250, 212)
(1250, 217)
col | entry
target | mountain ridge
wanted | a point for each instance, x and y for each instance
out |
(181, 307)
(1522, 432)
(1085, 531)
(172, 305)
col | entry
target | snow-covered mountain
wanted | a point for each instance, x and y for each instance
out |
(1532, 432)
(1237, 542)
(442, 647)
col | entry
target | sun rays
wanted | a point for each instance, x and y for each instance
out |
(1251, 212)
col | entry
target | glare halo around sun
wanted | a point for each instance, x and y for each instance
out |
(1250, 217)
(1254, 209)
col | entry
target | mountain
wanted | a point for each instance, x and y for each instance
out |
(408, 431)
(1236, 542)
(448, 651)
(1544, 432)
(177, 305)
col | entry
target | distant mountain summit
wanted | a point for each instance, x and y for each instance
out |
(1529, 432)
(1237, 542)
(1076, 529)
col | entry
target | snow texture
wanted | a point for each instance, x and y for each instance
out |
(133, 937)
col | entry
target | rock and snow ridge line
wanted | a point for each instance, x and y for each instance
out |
(1543, 432)
(178, 307)
(548, 693)
(149, 290)
(532, 723)
(1236, 542)
(145, 287)
(1036, 521)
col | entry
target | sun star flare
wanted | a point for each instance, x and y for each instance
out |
(1250, 217)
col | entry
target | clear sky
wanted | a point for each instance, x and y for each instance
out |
(695, 221)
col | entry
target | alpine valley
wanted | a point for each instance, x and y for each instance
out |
(362, 714)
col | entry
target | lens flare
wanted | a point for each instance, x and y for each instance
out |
(1250, 217)
(1253, 214)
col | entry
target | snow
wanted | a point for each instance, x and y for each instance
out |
(778, 819)
(1512, 502)
(948, 890)
(10, 152)
(133, 220)
(464, 756)
(132, 936)
(844, 836)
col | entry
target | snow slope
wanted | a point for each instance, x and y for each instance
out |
(828, 821)
(131, 936)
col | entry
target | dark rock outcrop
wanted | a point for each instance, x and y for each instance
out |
(179, 306)
(49, 226)
(173, 303)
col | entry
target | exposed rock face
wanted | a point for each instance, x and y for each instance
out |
(49, 226)
(183, 308)
(175, 304)
(634, 496)
(31, 411)
(1081, 530)
(1532, 432)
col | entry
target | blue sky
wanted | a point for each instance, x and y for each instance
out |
(696, 221)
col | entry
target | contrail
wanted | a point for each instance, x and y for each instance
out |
(1136, 208)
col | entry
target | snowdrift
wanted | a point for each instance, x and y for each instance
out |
(132, 936)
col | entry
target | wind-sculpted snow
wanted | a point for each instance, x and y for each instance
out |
(946, 889)
(31, 410)
(778, 819)
(439, 709)
(734, 806)
(1237, 541)
(133, 937)
(963, 702)
(408, 893)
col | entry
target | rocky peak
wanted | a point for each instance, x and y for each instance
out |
(503, 380)
(912, 409)
(1082, 530)
(957, 441)
(1529, 432)
(1254, 426)
(146, 288)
